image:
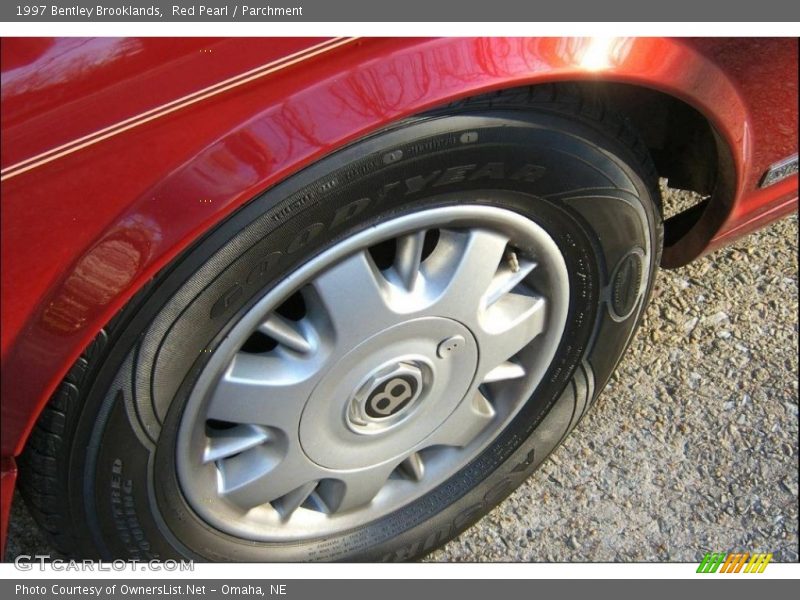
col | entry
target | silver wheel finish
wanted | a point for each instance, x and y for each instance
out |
(389, 382)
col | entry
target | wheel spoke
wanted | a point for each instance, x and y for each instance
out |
(258, 477)
(288, 503)
(356, 489)
(235, 440)
(408, 258)
(509, 325)
(262, 390)
(353, 296)
(287, 333)
(463, 265)
(507, 278)
(467, 421)
(413, 467)
(504, 371)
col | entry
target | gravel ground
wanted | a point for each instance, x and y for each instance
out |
(693, 445)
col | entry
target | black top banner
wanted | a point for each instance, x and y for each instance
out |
(405, 11)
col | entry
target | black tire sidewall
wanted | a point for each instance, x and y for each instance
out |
(582, 187)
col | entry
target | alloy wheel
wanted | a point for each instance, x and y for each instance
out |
(372, 374)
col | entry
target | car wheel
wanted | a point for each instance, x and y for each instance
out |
(364, 360)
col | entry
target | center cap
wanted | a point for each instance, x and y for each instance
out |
(392, 396)
(388, 393)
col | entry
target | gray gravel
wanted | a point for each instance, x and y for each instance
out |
(693, 445)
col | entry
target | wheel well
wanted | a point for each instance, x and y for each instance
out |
(681, 140)
(683, 144)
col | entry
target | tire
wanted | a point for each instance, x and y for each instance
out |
(105, 470)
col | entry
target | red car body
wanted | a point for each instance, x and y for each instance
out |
(118, 153)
